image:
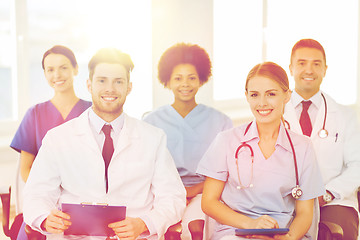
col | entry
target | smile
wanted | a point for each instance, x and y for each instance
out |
(109, 99)
(264, 112)
(185, 92)
(59, 82)
(308, 79)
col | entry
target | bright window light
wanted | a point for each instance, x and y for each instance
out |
(237, 45)
(85, 27)
(7, 53)
(239, 32)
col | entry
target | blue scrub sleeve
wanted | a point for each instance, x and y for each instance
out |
(25, 139)
(214, 162)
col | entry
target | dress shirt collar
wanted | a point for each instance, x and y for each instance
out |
(98, 122)
(296, 99)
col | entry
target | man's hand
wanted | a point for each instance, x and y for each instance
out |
(321, 199)
(128, 229)
(56, 222)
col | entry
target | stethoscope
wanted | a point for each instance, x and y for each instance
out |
(296, 192)
(323, 133)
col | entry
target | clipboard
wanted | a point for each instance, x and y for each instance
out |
(92, 220)
(268, 232)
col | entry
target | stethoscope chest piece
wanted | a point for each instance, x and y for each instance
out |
(296, 192)
(323, 133)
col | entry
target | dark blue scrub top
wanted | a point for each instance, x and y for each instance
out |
(38, 120)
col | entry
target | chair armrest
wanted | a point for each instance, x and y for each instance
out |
(173, 232)
(330, 230)
(32, 234)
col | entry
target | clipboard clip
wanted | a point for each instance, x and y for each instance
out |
(84, 204)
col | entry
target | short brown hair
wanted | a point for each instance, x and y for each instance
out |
(307, 43)
(110, 55)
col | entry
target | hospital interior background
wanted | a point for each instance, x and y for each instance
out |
(236, 33)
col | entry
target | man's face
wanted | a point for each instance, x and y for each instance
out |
(308, 69)
(109, 88)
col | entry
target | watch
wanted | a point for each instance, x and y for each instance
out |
(328, 197)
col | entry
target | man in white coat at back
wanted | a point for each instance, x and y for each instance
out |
(126, 165)
(334, 131)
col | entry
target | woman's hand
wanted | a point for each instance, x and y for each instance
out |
(287, 236)
(275, 237)
(194, 190)
(264, 221)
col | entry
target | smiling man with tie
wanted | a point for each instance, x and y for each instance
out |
(105, 156)
(334, 131)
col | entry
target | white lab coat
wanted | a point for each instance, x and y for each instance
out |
(69, 168)
(338, 155)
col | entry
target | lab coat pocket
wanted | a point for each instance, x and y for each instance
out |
(329, 151)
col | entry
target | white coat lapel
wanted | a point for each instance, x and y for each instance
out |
(129, 133)
(290, 116)
(319, 121)
(84, 132)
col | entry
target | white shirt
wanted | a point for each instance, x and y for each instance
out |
(316, 103)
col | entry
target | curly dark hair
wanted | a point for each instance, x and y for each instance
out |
(183, 53)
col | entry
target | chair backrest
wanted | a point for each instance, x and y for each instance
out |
(5, 200)
(12, 231)
(358, 198)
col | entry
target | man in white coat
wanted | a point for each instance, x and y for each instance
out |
(334, 131)
(71, 166)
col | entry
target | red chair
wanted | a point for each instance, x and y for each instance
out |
(13, 231)
(9, 231)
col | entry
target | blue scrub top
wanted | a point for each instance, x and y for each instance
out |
(188, 138)
(273, 178)
(38, 120)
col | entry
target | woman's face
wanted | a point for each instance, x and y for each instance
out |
(59, 72)
(266, 99)
(184, 82)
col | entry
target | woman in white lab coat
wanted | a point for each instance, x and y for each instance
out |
(251, 187)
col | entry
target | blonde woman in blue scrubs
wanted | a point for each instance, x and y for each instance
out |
(190, 127)
(258, 194)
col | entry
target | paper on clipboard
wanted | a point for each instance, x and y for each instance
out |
(92, 220)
